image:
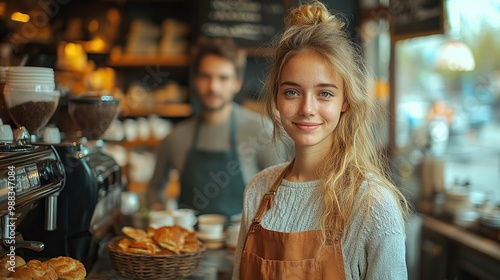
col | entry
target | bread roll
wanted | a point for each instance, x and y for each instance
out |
(34, 269)
(68, 268)
(5, 264)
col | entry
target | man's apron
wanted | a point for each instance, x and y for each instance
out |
(277, 255)
(212, 181)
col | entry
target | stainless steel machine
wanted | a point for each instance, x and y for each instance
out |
(30, 176)
(88, 206)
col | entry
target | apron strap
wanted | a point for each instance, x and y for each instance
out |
(232, 132)
(196, 134)
(267, 200)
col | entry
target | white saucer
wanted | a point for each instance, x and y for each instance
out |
(211, 237)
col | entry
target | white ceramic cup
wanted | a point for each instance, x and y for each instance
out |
(235, 219)
(130, 203)
(232, 235)
(211, 224)
(185, 218)
(162, 218)
(130, 129)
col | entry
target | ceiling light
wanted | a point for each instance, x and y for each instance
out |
(455, 56)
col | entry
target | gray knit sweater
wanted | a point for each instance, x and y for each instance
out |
(372, 250)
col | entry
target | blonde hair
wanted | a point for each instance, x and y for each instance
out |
(354, 152)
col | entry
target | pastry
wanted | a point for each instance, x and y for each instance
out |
(135, 233)
(68, 268)
(191, 243)
(147, 247)
(123, 244)
(171, 238)
(166, 240)
(151, 232)
(5, 264)
(35, 269)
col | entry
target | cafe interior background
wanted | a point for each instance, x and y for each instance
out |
(438, 78)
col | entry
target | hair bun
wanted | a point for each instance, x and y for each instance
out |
(313, 14)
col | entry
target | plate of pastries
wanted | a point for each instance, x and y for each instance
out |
(171, 252)
(15, 267)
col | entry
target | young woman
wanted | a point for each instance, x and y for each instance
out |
(332, 212)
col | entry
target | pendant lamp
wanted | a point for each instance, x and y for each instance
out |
(455, 55)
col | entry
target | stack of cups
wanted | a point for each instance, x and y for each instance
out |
(211, 230)
(30, 96)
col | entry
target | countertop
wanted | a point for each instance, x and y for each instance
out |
(466, 237)
(217, 264)
(482, 239)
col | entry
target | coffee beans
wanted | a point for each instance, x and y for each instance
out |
(33, 114)
(93, 118)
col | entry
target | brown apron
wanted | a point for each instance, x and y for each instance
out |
(277, 255)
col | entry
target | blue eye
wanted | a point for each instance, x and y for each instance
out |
(290, 92)
(326, 94)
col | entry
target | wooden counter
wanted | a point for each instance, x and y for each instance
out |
(462, 236)
(449, 251)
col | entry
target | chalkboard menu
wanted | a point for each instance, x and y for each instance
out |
(410, 18)
(249, 22)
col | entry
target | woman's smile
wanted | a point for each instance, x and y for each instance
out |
(307, 126)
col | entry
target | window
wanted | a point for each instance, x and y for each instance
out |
(449, 114)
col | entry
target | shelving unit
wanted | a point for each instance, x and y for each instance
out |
(141, 61)
(150, 142)
(135, 64)
(161, 110)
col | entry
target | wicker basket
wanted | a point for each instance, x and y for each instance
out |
(153, 266)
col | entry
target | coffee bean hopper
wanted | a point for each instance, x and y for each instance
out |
(89, 204)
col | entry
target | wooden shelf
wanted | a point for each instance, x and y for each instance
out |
(121, 60)
(147, 60)
(139, 187)
(165, 110)
(150, 142)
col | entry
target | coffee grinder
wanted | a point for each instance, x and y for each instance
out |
(89, 205)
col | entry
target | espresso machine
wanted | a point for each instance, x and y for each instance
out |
(30, 176)
(88, 206)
